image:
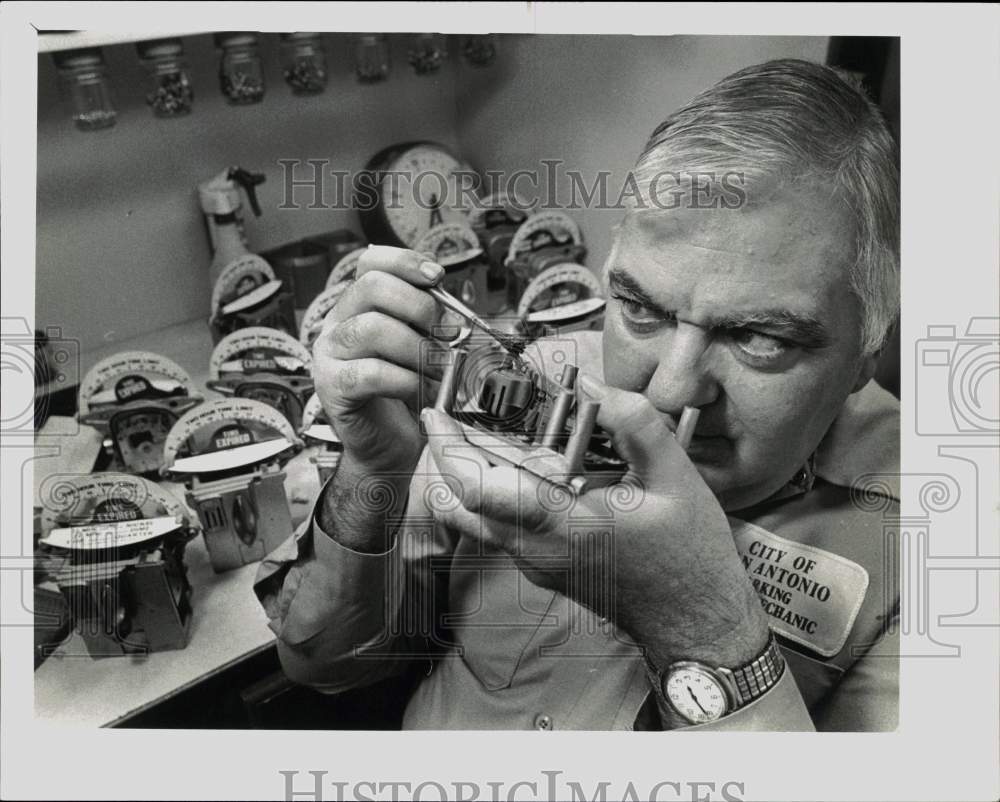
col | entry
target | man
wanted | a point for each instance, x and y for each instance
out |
(734, 586)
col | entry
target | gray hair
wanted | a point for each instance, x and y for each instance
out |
(795, 121)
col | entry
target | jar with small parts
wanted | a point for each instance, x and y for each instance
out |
(84, 80)
(427, 52)
(171, 93)
(480, 49)
(241, 74)
(303, 62)
(371, 58)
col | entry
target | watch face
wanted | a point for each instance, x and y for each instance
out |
(695, 694)
(421, 190)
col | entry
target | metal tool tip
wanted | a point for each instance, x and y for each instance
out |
(514, 345)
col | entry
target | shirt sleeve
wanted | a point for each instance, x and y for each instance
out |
(343, 618)
(781, 709)
(867, 697)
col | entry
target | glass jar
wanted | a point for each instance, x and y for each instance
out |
(171, 93)
(303, 62)
(371, 57)
(84, 79)
(241, 74)
(427, 52)
(480, 49)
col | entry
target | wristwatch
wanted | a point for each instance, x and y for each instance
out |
(699, 694)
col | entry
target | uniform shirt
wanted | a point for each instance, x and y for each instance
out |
(499, 652)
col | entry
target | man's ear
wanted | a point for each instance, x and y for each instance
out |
(865, 371)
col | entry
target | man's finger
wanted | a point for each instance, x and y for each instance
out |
(458, 461)
(380, 291)
(414, 268)
(346, 385)
(375, 334)
(641, 434)
(497, 493)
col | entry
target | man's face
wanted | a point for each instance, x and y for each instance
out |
(747, 315)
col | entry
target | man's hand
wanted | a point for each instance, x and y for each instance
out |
(370, 358)
(665, 570)
(370, 364)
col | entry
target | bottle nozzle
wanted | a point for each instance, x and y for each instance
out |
(249, 181)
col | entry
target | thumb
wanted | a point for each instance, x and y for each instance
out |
(641, 434)
(454, 456)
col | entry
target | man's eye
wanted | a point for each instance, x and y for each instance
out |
(759, 346)
(637, 312)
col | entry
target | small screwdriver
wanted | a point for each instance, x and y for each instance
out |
(514, 345)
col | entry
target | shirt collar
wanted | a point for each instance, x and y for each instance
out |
(860, 446)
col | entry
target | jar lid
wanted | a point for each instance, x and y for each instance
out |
(160, 48)
(236, 38)
(75, 59)
(300, 36)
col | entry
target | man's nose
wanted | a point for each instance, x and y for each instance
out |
(684, 376)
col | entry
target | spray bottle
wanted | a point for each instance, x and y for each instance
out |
(221, 203)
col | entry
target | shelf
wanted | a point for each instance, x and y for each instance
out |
(53, 41)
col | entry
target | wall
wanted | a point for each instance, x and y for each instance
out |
(591, 101)
(121, 245)
(121, 242)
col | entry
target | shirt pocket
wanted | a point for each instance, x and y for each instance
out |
(493, 614)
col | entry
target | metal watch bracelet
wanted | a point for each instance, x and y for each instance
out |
(749, 682)
(742, 685)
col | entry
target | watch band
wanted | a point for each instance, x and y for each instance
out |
(757, 677)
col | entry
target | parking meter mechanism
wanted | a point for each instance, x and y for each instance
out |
(265, 365)
(134, 398)
(230, 455)
(246, 294)
(114, 545)
(516, 415)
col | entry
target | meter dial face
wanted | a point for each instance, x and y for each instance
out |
(315, 314)
(193, 436)
(449, 244)
(500, 205)
(140, 437)
(345, 268)
(567, 311)
(556, 286)
(550, 227)
(421, 190)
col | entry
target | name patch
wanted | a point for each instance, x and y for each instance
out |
(810, 595)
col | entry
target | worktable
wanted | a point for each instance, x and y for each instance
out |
(228, 624)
